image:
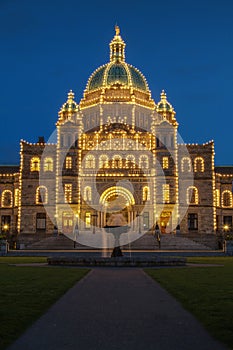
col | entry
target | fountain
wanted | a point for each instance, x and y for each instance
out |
(116, 225)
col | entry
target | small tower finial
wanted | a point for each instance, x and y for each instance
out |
(117, 29)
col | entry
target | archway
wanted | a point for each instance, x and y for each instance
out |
(117, 200)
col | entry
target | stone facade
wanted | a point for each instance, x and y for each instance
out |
(116, 151)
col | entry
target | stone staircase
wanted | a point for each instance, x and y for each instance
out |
(145, 242)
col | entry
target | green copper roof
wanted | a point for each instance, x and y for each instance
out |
(97, 78)
(117, 73)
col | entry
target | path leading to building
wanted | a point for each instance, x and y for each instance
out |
(113, 309)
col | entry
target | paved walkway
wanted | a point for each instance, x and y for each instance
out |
(116, 309)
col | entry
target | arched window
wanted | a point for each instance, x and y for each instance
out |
(227, 199)
(87, 193)
(35, 164)
(7, 199)
(103, 161)
(146, 193)
(41, 195)
(16, 197)
(199, 165)
(117, 161)
(48, 164)
(90, 162)
(130, 161)
(186, 165)
(143, 162)
(192, 195)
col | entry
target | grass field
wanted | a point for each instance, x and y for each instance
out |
(27, 292)
(207, 292)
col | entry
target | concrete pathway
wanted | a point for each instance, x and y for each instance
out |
(116, 309)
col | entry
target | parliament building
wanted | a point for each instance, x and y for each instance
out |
(116, 151)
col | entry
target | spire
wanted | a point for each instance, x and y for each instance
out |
(69, 108)
(165, 108)
(117, 47)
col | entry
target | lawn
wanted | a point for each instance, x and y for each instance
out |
(27, 292)
(207, 292)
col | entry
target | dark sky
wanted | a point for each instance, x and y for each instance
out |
(49, 47)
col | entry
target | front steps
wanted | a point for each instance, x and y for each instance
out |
(145, 242)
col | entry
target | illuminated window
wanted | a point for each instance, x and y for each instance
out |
(68, 193)
(117, 161)
(7, 199)
(217, 198)
(87, 193)
(165, 163)
(186, 165)
(103, 161)
(192, 195)
(145, 193)
(48, 164)
(90, 162)
(227, 199)
(143, 162)
(192, 222)
(87, 220)
(199, 165)
(35, 164)
(68, 162)
(16, 197)
(130, 161)
(166, 193)
(41, 195)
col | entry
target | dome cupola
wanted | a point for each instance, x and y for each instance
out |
(117, 81)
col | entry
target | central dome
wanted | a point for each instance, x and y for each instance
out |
(117, 73)
(117, 81)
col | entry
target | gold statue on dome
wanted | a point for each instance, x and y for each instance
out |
(117, 29)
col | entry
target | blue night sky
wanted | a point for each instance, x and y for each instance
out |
(49, 47)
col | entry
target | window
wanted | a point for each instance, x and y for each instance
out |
(165, 163)
(103, 161)
(143, 162)
(130, 161)
(227, 199)
(90, 162)
(117, 161)
(68, 164)
(48, 164)
(199, 165)
(35, 164)
(192, 222)
(217, 198)
(192, 195)
(87, 220)
(16, 197)
(68, 193)
(145, 193)
(186, 165)
(87, 193)
(41, 221)
(7, 199)
(41, 195)
(166, 193)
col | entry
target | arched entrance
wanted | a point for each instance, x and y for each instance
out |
(116, 200)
